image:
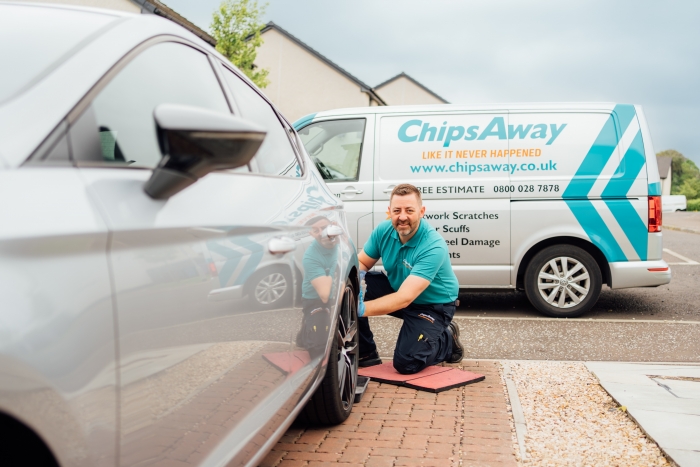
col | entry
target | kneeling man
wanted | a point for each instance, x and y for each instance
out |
(419, 287)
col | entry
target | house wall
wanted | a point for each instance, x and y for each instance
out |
(666, 183)
(300, 83)
(122, 5)
(403, 91)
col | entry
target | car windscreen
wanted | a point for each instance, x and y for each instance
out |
(34, 39)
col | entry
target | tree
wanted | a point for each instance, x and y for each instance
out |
(236, 27)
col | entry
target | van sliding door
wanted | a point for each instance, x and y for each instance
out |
(459, 162)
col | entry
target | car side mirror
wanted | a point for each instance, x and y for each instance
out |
(196, 141)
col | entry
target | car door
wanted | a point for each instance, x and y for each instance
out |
(194, 380)
(459, 161)
(342, 149)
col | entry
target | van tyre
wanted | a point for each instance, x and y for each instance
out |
(332, 402)
(563, 281)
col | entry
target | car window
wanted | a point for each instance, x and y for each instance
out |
(28, 53)
(276, 155)
(169, 73)
(335, 147)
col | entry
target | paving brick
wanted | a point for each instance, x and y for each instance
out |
(296, 447)
(335, 445)
(417, 453)
(416, 441)
(440, 450)
(292, 463)
(427, 462)
(380, 461)
(356, 454)
(312, 436)
(353, 435)
(313, 456)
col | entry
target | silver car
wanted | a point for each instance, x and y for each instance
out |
(176, 281)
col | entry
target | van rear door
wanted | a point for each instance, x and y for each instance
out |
(459, 161)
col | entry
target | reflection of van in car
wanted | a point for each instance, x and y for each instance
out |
(555, 199)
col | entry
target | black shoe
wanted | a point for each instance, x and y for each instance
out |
(370, 360)
(457, 353)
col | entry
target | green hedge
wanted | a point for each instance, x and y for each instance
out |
(693, 205)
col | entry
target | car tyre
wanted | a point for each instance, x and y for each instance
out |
(332, 402)
(270, 288)
(563, 281)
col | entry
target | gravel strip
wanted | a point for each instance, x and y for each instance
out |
(572, 421)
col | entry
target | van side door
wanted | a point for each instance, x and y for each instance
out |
(459, 161)
(342, 150)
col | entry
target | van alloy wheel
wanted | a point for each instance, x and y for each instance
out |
(564, 282)
(270, 288)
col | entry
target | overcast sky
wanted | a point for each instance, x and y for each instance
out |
(633, 51)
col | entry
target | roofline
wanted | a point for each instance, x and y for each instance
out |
(158, 8)
(404, 75)
(475, 107)
(363, 86)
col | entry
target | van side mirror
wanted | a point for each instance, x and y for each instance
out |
(196, 141)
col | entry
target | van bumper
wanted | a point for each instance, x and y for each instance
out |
(637, 274)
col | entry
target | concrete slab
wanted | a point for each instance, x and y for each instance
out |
(663, 399)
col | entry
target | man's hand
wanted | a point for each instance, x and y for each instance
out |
(410, 289)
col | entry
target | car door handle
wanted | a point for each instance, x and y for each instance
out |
(389, 189)
(352, 191)
(281, 245)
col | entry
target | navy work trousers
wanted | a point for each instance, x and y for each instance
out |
(423, 340)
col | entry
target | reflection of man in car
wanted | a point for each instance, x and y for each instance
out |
(421, 287)
(317, 289)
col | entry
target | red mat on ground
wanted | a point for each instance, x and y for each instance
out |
(431, 379)
(288, 362)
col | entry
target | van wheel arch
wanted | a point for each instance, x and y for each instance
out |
(590, 248)
(22, 446)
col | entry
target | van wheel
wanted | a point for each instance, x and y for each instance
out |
(563, 281)
(270, 288)
(332, 402)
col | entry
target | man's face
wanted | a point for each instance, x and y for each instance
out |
(316, 231)
(406, 212)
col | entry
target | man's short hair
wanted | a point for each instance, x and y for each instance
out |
(406, 189)
(313, 220)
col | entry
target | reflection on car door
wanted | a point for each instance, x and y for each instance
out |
(193, 374)
(343, 152)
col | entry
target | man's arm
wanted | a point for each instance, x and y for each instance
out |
(411, 287)
(323, 285)
(366, 263)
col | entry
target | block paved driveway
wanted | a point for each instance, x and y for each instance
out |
(394, 426)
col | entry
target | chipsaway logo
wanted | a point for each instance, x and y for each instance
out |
(417, 130)
(465, 167)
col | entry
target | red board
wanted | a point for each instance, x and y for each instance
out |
(431, 379)
(288, 362)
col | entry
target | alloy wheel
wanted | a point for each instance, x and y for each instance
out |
(346, 341)
(563, 282)
(270, 288)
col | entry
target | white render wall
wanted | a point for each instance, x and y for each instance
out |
(403, 91)
(121, 5)
(300, 83)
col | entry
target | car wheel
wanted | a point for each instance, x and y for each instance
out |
(332, 402)
(563, 281)
(270, 288)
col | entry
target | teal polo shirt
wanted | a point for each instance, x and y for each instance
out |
(318, 261)
(425, 255)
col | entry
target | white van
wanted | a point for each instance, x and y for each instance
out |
(555, 199)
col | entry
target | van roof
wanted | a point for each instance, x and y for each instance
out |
(437, 108)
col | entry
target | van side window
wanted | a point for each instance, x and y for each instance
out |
(335, 147)
(276, 156)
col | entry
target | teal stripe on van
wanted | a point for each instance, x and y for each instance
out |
(594, 226)
(603, 147)
(627, 217)
(655, 189)
(577, 191)
(303, 121)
